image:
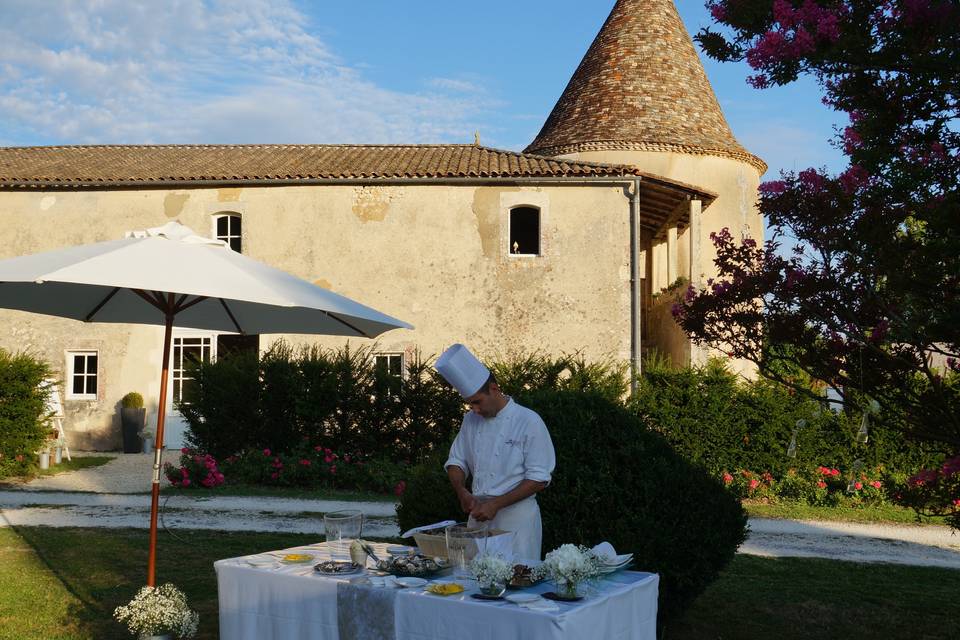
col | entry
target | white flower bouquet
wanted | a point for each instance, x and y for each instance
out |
(568, 566)
(157, 611)
(492, 573)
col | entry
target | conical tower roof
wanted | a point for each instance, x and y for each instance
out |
(640, 86)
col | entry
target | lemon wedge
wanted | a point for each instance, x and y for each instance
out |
(297, 557)
(445, 588)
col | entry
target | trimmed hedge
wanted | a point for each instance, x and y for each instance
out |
(334, 398)
(723, 424)
(614, 481)
(23, 425)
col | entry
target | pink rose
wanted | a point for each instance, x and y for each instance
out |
(858, 485)
(876, 484)
(727, 478)
(821, 484)
(754, 484)
(305, 463)
(266, 452)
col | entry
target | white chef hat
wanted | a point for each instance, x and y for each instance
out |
(460, 368)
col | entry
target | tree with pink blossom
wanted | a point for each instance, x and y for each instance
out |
(859, 284)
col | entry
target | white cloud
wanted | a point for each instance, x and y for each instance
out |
(123, 71)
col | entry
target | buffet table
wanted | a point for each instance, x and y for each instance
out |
(260, 600)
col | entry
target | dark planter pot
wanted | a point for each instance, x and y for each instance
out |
(131, 422)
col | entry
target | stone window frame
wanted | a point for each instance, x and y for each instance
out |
(71, 355)
(530, 199)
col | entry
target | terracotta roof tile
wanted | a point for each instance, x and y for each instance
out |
(640, 86)
(123, 165)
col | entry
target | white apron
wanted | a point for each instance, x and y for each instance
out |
(523, 519)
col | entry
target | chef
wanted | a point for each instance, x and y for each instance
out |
(504, 447)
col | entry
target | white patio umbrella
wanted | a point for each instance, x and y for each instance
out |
(169, 274)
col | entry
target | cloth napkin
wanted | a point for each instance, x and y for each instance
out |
(541, 605)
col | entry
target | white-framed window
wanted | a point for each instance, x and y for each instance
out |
(228, 227)
(82, 374)
(187, 351)
(524, 231)
(390, 363)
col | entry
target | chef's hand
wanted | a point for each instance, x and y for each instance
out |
(484, 511)
(467, 501)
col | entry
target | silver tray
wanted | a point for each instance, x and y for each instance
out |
(330, 568)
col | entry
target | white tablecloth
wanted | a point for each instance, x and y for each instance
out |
(293, 602)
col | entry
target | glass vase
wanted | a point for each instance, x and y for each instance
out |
(567, 589)
(492, 588)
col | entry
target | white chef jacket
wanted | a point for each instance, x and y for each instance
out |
(500, 452)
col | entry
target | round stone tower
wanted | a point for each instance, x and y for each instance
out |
(641, 97)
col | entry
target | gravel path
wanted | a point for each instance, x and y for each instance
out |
(117, 496)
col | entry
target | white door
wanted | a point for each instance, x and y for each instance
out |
(186, 348)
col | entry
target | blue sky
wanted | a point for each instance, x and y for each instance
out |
(370, 71)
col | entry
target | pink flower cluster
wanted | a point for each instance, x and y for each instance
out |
(194, 468)
(827, 471)
(928, 477)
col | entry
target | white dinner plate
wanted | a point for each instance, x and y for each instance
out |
(261, 563)
(520, 598)
(411, 582)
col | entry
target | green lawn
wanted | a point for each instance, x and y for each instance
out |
(65, 583)
(876, 513)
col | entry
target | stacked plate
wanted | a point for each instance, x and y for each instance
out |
(609, 560)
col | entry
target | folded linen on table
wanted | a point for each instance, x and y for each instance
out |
(541, 605)
(365, 613)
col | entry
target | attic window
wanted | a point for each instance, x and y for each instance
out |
(525, 231)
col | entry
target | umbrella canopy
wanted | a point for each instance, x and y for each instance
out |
(216, 288)
(169, 274)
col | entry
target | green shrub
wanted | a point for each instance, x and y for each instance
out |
(132, 400)
(724, 424)
(614, 481)
(23, 424)
(333, 398)
(317, 467)
(529, 372)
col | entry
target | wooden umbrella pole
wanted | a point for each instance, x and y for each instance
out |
(158, 448)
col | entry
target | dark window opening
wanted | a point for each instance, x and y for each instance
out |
(525, 231)
(229, 345)
(228, 230)
(388, 372)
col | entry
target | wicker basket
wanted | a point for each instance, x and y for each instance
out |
(433, 542)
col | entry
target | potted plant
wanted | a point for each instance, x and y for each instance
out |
(147, 436)
(132, 419)
(159, 613)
